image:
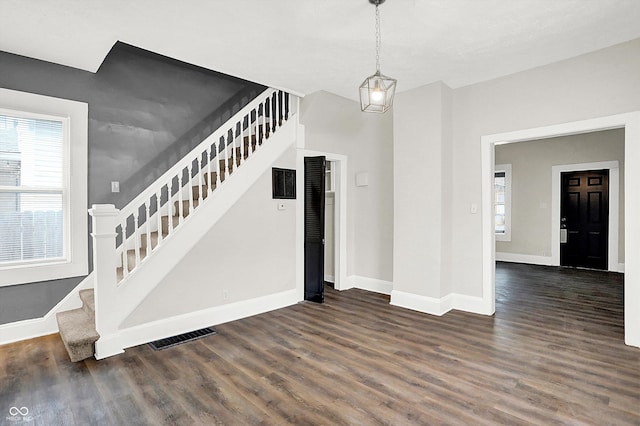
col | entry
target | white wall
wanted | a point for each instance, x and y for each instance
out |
(422, 188)
(531, 184)
(336, 125)
(598, 84)
(249, 253)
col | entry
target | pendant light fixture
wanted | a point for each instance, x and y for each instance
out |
(377, 91)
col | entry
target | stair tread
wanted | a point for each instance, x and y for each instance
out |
(88, 297)
(76, 327)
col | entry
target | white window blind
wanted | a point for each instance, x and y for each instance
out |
(502, 202)
(32, 188)
(500, 211)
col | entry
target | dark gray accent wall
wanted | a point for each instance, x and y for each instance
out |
(145, 112)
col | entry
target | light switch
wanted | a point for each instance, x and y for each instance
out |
(362, 179)
(281, 206)
(474, 208)
(115, 186)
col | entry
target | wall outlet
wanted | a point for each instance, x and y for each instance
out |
(115, 186)
(225, 295)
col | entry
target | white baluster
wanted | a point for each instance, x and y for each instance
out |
(125, 253)
(267, 122)
(278, 110)
(180, 198)
(200, 193)
(286, 101)
(136, 237)
(148, 222)
(209, 161)
(170, 206)
(190, 187)
(267, 125)
(159, 216)
(228, 158)
(222, 165)
(228, 154)
(217, 164)
(242, 148)
(249, 133)
(234, 154)
(259, 132)
(284, 106)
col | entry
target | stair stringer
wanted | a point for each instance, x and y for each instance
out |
(133, 290)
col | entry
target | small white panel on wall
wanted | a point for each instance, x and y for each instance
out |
(362, 179)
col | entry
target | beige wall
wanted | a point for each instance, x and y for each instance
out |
(336, 125)
(531, 184)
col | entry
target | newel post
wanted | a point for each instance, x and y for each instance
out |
(105, 286)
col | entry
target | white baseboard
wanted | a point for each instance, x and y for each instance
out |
(330, 279)
(439, 307)
(107, 346)
(29, 329)
(524, 258)
(537, 260)
(473, 304)
(416, 302)
(167, 327)
(369, 284)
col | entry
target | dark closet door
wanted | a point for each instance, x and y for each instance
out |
(314, 169)
(584, 219)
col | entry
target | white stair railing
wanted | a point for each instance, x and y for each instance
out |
(168, 202)
(125, 240)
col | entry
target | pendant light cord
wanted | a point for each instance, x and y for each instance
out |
(377, 39)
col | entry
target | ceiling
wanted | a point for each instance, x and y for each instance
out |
(306, 45)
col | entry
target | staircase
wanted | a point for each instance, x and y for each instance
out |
(182, 209)
(166, 219)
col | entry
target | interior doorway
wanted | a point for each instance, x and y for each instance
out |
(329, 225)
(630, 122)
(339, 232)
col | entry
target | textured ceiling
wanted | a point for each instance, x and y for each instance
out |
(306, 45)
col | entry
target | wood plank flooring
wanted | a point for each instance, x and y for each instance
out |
(552, 354)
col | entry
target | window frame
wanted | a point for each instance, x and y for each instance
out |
(74, 116)
(506, 169)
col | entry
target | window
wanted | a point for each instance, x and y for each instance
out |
(43, 188)
(502, 202)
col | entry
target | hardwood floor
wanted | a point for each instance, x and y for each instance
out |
(552, 354)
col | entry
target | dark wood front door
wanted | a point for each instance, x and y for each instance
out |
(314, 197)
(584, 219)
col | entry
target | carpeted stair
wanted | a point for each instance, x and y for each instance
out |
(78, 329)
